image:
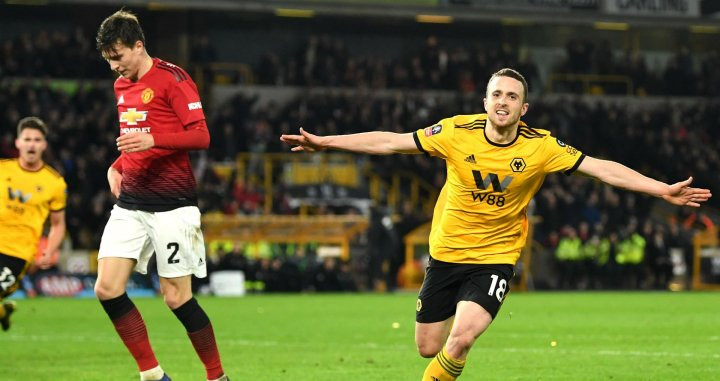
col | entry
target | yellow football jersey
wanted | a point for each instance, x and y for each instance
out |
(26, 199)
(481, 213)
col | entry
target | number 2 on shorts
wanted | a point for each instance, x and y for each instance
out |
(175, 247)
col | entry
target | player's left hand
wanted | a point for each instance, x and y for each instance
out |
(135, 142)
(682, 194)
(44, 261)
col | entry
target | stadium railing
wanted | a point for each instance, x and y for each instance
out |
(266, 170)
(333, 230)
(706, 260)
(595, 84)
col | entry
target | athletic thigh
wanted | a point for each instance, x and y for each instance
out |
(176, 291)
(487, 285)
(178, 242)
(126, 236)
(430, 337)
(113, 275)
(439, 292)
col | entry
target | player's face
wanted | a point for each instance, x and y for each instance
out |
(31, 143)
(125, 60)
(504, 101)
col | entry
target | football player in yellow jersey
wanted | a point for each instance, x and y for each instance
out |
(29, 191)
(495, 165)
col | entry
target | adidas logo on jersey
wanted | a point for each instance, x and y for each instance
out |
(471, 159)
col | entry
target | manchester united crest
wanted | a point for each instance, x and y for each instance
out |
(147, 95)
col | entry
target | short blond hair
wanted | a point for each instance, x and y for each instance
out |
(512, 73)
(32, 122)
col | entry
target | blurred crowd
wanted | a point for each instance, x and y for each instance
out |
(668, 141)
(683, 74)
(282, 267)
(52, 54)
(324, 60)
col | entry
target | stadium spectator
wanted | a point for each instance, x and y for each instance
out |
(630, 256)
(569, 258)
(658, 255)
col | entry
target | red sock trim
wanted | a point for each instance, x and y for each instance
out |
(204, 343)
(133, 333)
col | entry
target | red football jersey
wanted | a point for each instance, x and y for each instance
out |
(163, 101)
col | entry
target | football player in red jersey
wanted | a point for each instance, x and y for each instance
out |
(161, 119)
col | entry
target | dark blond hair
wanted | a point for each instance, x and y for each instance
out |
(512, 73)
(32, 122)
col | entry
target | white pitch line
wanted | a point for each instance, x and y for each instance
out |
(368, 345)
(612, 352)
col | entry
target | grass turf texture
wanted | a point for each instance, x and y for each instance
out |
(600, 336)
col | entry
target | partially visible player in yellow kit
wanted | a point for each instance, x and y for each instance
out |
(29, 191)
(495, 165)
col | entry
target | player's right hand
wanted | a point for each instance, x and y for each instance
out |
(304, 142)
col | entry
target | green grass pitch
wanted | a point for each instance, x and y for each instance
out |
(600, 336)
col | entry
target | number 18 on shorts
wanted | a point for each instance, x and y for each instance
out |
(446, 284)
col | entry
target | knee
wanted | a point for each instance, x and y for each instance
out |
(428, 349)
(461, 342)
(175, 298)
(107, 290)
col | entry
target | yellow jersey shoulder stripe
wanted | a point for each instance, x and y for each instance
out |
(52, 171)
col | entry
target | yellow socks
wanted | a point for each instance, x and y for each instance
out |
(443, 368)
(2, 311)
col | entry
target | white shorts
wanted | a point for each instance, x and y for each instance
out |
(174, 236)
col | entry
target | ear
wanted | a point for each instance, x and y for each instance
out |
(139, 45)
(17, 143)
(524, 108)
(485, 104)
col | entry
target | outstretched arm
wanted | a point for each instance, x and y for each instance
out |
(374, 143)
(621, 176)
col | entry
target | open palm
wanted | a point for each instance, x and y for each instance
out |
(682, 194)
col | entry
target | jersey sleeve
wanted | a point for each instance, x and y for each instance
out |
(118, 164)
(185, 102)
(560, 156)
(437, 139)
(59, 199)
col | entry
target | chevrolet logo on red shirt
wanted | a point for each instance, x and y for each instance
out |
(132, 116)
